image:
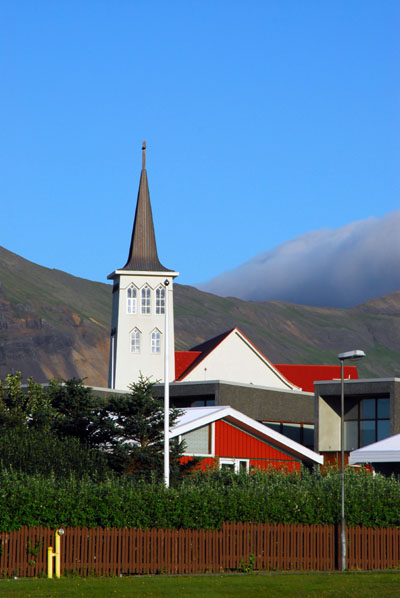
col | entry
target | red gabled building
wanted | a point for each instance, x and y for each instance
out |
(226, 438)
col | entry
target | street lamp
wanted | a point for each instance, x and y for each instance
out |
(352, 356)
(166, 389)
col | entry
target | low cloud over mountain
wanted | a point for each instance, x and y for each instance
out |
(331, 268)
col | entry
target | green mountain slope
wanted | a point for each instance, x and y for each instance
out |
(53, 324)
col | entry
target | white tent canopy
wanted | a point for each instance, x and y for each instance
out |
(384, 451)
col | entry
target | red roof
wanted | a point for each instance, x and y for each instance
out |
(304, 376)
(183, 360)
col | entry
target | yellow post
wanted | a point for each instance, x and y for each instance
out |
(56, 555)
(50, 555)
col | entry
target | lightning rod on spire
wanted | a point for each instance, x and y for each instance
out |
(143, 155)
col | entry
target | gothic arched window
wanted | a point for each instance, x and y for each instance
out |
(160, 300)
(146, 300)
(135, 341)
(156, 341)
(131, 300)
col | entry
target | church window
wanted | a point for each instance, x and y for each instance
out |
(160, 300)
(146, 300)
(156, 341)
(135, 341)
(131, 300)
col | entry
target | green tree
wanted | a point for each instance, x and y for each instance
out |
(139, 418)
(80, 414)
(24, 406)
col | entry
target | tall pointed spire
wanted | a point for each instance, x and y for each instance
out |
(143, 250)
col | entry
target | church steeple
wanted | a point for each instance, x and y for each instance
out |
(143, 254)
(142, 300)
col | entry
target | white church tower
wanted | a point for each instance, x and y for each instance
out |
(142, 291)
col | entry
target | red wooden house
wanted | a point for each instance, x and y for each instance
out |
(226, 438)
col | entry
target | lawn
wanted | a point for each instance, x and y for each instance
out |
(275, 585)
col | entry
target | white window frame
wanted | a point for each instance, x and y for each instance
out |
(160, 300)
(131, 299)
(146, 300)
(235, 462)
(135, 341)
(155, 341)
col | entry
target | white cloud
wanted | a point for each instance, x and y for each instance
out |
(332, 268)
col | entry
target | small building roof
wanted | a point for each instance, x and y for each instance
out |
(196, 417)
(183, 360)
(304, 376)
(383, 451)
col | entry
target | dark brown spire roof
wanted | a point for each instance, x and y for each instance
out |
(143, 250)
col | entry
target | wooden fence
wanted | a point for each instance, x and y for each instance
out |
(236, 546)
(369, 548)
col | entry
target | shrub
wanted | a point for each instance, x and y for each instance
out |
(204, 500)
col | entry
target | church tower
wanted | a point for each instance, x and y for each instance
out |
(142, 291)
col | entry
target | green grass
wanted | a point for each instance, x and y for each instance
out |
(321, 585)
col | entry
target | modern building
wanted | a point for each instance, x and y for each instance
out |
(371, 413)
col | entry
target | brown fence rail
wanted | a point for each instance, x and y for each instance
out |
(236, 546)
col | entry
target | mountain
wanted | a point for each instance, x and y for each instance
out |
(53, 324)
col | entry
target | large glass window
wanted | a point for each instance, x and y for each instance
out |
(131, 300)
(301, 433)
(135, 341)
(160, 300)
(366, 422)
(146, 300)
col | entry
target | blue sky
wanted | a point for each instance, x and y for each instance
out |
(264, 120)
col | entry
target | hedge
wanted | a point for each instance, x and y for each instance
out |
(202, 501)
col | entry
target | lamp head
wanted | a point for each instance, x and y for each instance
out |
(356, 354)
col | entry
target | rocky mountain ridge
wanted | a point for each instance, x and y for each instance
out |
(53, 324)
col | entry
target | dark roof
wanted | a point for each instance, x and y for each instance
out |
(143, 250)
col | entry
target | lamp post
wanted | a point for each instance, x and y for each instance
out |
(166, 391)
(349, 355)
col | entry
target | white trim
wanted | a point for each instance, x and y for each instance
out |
(165, 274)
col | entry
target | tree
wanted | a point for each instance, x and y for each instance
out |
(80, 414)
(24, 406)
(139, 418)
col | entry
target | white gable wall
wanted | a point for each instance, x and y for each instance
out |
(236, 360)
